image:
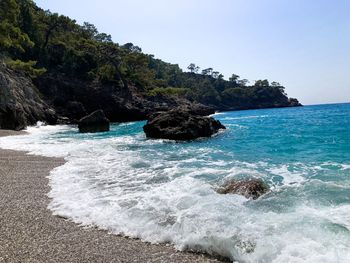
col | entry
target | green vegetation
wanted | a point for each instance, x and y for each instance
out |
(40, 42)
(12, 38)
(27, 67)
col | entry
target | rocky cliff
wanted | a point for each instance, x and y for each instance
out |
(73, 98)
(78, 70)
(20, 101)
(56, 98)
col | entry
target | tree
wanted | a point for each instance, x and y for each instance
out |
(207, 93)
(235, 96)
(89, 29)
(207, 71)
(215, 74)
(193, 68)
(132, 48)
(135, 67)
(233, 78)
(262, 83)
(242, 82)
(25, 19)
(54, 23)
(107, 73)
(278, 86)
(11, 36)
(275, 84)
(109, 53)
(103, 37)
(80, 52)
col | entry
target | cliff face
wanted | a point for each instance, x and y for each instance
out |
(56, 98)
(73, 98)
(20, 102)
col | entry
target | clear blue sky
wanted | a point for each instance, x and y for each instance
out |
(303, 44)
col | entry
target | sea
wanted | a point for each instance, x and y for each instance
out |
(163, 191)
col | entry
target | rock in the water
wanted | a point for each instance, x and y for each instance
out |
(180, 124)
(95, 122)
(251, 188)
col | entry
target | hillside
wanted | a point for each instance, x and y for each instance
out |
(74, 69)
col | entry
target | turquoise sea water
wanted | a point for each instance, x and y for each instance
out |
(162, 191)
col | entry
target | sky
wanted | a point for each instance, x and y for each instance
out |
(302, 44)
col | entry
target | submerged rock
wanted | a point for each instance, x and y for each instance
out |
(95, 122)
(251, 188)
(180, 124)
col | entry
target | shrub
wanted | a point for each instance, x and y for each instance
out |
(27, 67)
(107, 73)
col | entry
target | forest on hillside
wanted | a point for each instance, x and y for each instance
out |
(39, 43)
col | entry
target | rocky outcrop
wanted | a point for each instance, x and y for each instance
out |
(180, 124)
(20, 102)
(293, 102)
(95, 122)
(23, 102)
(251, 188)
(56, 97)
(74, 97)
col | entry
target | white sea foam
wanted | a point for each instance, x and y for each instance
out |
(129, 185)
(326, 165)
(289, 178)
(245, 117)
(216, 114)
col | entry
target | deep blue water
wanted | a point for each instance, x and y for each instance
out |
(163, 191)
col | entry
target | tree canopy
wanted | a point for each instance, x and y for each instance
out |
(41, 42)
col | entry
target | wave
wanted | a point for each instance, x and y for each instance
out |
(165, 192)
(244, 117)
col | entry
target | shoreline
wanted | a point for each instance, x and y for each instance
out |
(30, 233)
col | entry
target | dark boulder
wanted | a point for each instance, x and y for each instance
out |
(95, 122)
(180, 124)
(250, 188)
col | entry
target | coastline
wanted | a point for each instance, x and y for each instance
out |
(30, 233)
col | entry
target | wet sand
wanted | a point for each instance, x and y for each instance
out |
(30, 233)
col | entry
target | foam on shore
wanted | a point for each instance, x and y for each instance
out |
(162, 191)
